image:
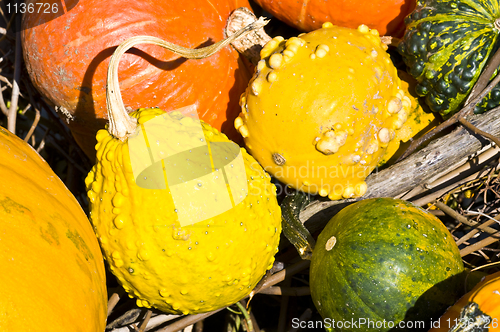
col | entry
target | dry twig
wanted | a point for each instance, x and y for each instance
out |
(12, 116)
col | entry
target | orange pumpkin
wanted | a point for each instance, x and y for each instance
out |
(52, 271)
(478, 309)
(384, 15)
(67, 58)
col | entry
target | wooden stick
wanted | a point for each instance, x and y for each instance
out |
(187, 320)
(473, 167)
(448, 210)
(144, 323)
(476, 230)
(477, 131)
(440, 157)
(478, 245)
(14, 99)
(494, 234)
(113, 301)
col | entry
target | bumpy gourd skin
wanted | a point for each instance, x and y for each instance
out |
(324, 109)
(446, 47)
(190, 269)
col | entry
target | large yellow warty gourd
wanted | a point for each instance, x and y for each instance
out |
(177, 268)
(325, 108)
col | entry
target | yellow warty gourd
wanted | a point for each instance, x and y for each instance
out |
(180, 269)
(187, 220)
(325, 108)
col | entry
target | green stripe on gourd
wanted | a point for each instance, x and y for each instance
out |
(446, 46)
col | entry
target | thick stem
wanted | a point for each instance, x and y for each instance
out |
(121, 125)
(252, 43)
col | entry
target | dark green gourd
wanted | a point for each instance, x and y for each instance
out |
(446, 46)
(384, 259)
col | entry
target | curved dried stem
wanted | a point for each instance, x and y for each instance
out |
(246, 315)
(121, 125)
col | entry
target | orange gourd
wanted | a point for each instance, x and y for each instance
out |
(67, 57)
(478, 309)
(52, 271)
(384, 15)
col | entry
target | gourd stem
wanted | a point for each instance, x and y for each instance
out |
(251, 44)
(121, 125)
(293, 229)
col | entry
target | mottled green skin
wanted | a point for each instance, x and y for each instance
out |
(387, 254)
(446, 45)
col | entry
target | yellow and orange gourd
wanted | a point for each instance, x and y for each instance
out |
(325, 108)
(175, 267)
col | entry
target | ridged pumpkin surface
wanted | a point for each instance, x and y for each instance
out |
(446, 47)
(189, 269)
(324, 109)
(67, 58)
(51, 268)
(384, 259)
(486, 295)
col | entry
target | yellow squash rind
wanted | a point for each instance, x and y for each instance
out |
(52, 276)
(190, 269)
